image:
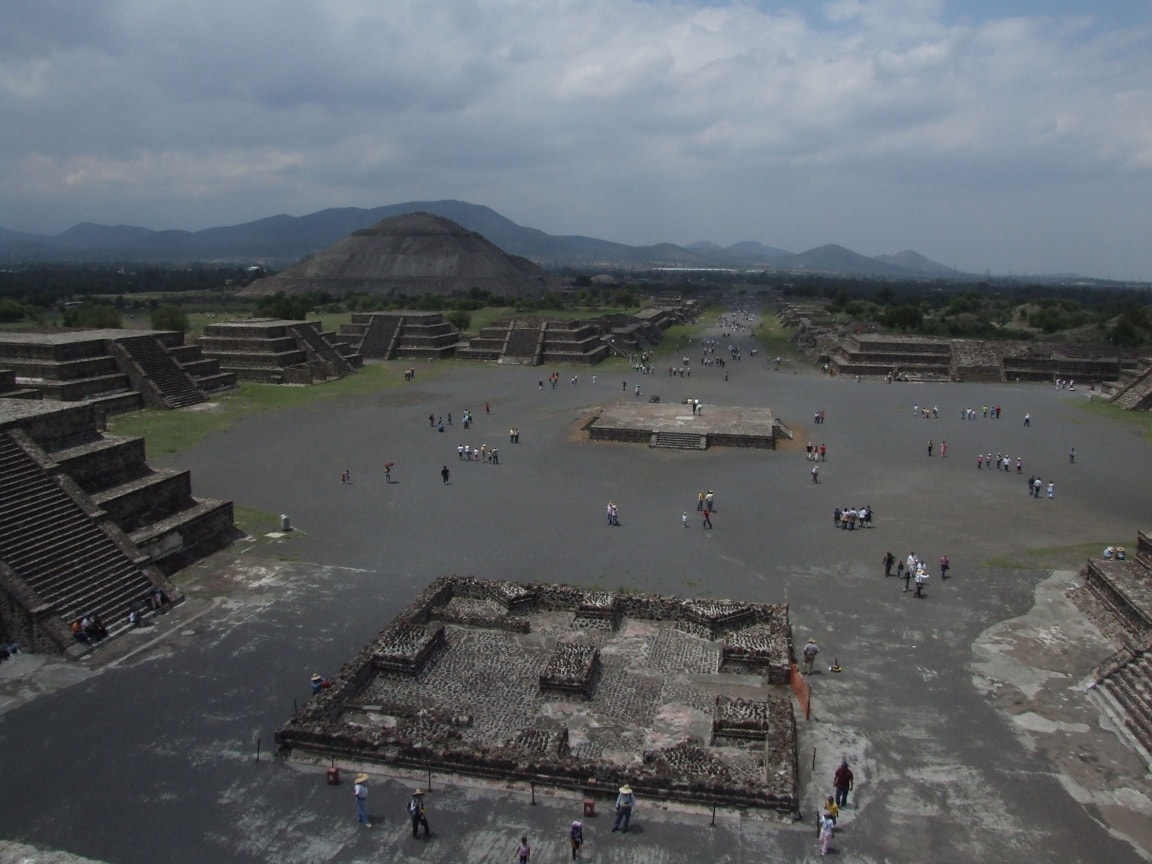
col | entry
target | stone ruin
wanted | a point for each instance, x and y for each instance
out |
(684, 699)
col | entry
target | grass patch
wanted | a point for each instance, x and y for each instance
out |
(1137, 421)
(169, 431)
(255, 523)
(1048, 558)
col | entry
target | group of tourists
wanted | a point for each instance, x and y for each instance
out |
(842, 782)
(912, 569)
(847, 518)
(468, 453)
(816, 453)
(416, 807)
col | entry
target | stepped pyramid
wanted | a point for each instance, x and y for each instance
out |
(410, 255)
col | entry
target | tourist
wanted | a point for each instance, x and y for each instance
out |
(360, 790)
(318, 683)
(823, 449)
(1027, 418)
(431, 420)
(826, 828)
(625, 801)
(440, 424)
(449, 418)
(708, 517)
(709, 502)
(1051, 490)
(810, 652)
(1072, 455)
(684, 518)
(445, 474)
(700, 500)
(576, 837)
(929, 446)
(921, 580)
(945, 565)
(815, 473)
(417, 811)
(901, 573)
(830, 809)
(888, 560)
(843, 780)
(523, 850)
(159, 599)
(943, 449)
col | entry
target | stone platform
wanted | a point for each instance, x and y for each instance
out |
(645, 700)
(665, 425)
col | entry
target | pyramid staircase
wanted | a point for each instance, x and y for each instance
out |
(155, 373)
(1137, 393)
(58, 550)
(1122, 590)
(679, 440)
(320, 350)
(1129, 687)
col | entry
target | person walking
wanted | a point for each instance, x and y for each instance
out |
(445, 474)
(810, 651)
(843, 781)
(888, 560)
(815, 473)
(1051, 491)
(827, 826)
(417, 811)
(360, 790)
(625, 801)
(1071, 455)
(576, 837)
(906, 574)
(523, 850)
(921, 580)
(929, 446)
(945, 565)
(684, 518)
(943, 449)
(708, 516)
(700, 500)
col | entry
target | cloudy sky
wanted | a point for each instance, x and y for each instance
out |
(1010, 135)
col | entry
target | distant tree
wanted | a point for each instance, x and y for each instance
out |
(459, 318)
(905, 317)
(170, 317)
(626, 298)
(290, 308)
(93, 316)
(583, 281)
(11, 310)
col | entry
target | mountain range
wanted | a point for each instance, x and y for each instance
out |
(278, 241)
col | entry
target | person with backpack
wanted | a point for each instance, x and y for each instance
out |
(576, 837)
(416, 810)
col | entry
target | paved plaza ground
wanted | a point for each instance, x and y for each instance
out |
(962, 713)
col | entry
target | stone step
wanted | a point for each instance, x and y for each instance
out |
(679, 440)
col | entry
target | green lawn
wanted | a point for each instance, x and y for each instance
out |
(170, 431)
(1141, 420)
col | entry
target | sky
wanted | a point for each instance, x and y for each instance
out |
(1010, 136)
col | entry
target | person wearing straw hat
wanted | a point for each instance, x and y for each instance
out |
(810, 651)
(319, 682)
(625, 801)
(360, 790)
(416, 811)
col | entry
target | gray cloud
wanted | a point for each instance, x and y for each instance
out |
(1016, 143)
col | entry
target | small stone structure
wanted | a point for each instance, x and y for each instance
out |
(274, 351)
(589, 690)
(118, 370)
(659, 424)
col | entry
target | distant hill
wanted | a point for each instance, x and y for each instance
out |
(279, 241)
(410, 255)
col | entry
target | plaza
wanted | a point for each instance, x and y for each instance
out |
(962, 713)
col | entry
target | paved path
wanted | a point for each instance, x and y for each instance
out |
(945, 706)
